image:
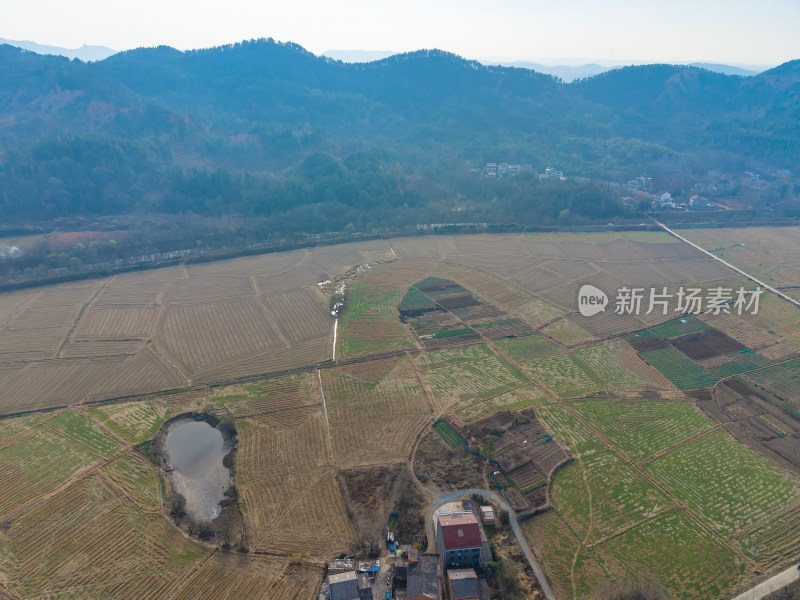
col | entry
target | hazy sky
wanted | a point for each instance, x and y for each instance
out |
(732, 31)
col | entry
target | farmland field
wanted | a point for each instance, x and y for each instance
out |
(679, 369)
(88, 541)
(516, 399)
(619, 497)
(36, 463)
(371, 324)
(641, 429)
(582, 371)
(730, 486)
(80, 429)
(702, 568)
(771, 254)
(460, 382)
(653, 483)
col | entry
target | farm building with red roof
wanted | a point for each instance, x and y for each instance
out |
(458, 538)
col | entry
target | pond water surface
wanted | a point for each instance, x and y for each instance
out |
(195, 451)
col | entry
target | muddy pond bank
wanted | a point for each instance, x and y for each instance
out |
(197, 453)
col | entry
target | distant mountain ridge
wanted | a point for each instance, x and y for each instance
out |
(84, 53)
(283, 82)
(262, 127)
(567, 73)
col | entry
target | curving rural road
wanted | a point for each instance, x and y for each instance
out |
(512, 518)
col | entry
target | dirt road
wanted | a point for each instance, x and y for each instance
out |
(512, 519)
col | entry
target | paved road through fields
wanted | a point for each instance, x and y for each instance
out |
(781, 580)
(730, 266)
(512, 519)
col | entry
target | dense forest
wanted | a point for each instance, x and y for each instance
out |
(291, 143)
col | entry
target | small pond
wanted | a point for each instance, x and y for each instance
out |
(194, 454)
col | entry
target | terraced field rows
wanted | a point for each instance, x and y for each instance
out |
(619, 497)
(200, 335)
(54, 383)
(774, 540)
(79, 428)
(36, 463)
(135, 421)
(105, 323)
(372, 423)
(371, 322)
(85, 541)
(267, 451)
(297, 512)
(300, 314)
(143, 373)
(207, 289)
(728, 484)
(641, 429)
(257, 578)
(462, 383)
(137, 477)
(679, 369)
(696, 567)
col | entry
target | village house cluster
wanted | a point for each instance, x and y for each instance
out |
(639, 189)
(453, 573)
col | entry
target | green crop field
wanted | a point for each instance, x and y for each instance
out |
(786, 382)
(678, 327)
(562, 375)
(448, 435)
(515, 399)
(415, 300)
(567, 429)
(730, 486)
(82, 430)
(679, 369)
(11, 427)
(640, 429)
(606, 365)
(441, 358)
(36, 463)
(564, 557)
(454, 332)
(567, 332)
(465, 381)
(370, 323)
(614, 365)
(133, 421)
(747, 362)
(687, 560)
(528, 347)
(776, 539)
(616, 498)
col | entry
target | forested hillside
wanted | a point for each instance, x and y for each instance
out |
(299, 143)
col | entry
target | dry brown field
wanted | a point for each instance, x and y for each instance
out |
(771, 254)
(133, 336)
